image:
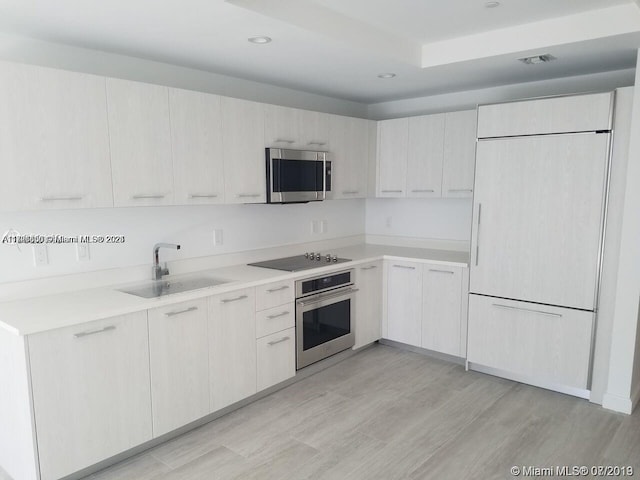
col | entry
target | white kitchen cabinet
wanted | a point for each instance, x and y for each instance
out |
(425, 155)
(140, 135)
(442, 299)
(54, 139)
(91, 393)
(244, 151)
(196, 145)
(179, 357)
(459, 154)
(314, 130)
(349, 139)
(539, 244)
(404, 302)
(281, 127)
(275, 319)
(539, 344)
(368, 319)
(393, 140)
(232, 347)
(274, 294)
(276, 357)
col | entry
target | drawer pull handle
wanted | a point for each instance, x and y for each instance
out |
(461, 190)
(370, 267)
(271, 317)
(178, 312)
(350, 192)
(391, 191)
(248, 195)
(405, 266)
(94, 332)
(320, 144)
(430, 190)
(72, 198)
(541, 312)
(228, 300)
(143, 196)
(440, 271)
(275, 342)
(203, 195)
(284, 140)
(271, 290)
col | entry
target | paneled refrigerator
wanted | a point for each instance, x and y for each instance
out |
(537, 238)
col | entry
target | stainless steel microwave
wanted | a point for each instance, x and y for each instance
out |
(296, 176)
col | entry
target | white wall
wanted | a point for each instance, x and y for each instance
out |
(245, 227)
(442, 219)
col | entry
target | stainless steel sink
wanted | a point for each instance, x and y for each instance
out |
(160, 288)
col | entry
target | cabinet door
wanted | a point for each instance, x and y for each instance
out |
(54, 139)
(314, 130)
(425, 152)
(404, 302)
(349, 139)
(459, 154)
(140, 143)
(179, 353)
(91, 392)
(537, 218)
(543, 345)
(232, 347)
(441, 309)
(281, 127)
(393, 138)
(368, 304)
(276, 355)
(244, 155)
(196, 144)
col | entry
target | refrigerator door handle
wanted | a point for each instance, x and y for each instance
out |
(478, 233)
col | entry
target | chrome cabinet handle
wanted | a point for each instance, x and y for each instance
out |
(541, 312)
(203, 195)
(284, 140)
(317, 143)
(94, 332)
(460, 190)
(405, 266)
(247, 195)
(350, 192)
(178, 312)
(369, 267)
(227, 300)
(271, 290)
(71, 198)
(478, 234)
(271, 317)
(440, 271)
(275, 342)
(391, 191)
(429, 190)
(150, 195)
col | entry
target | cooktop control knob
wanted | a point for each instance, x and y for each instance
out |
(328, 258)
(335, 259)
(306, 255)
(318, 257)
(311, 255)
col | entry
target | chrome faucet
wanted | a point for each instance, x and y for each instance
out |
(157, 271)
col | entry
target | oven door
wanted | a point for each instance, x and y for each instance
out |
(324, 325)
(295, 175)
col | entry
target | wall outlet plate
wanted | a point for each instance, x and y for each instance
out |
(217, 236)
(40, 255)
(82, 252)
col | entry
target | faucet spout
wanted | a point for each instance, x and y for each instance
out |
(157, 271)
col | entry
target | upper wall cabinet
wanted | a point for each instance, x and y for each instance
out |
(196, 141)
(459, 153)
(314, 130)
(298, 129)
(426, 156)
(54, 141)
(140, 143)
(243, 151)
(349, 138)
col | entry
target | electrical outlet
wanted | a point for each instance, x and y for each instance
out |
(217, 236)
(40, 255)
(316, 226)
(82, 252)
(388, 222)
(323, 226)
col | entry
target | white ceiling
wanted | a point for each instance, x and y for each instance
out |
(337, 47)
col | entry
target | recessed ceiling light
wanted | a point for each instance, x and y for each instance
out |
(492, 4)
(386, 75)
(535, 59)
(260, 40)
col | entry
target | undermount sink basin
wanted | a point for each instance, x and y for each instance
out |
(160, 288)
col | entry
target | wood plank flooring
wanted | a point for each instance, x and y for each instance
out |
(391, 414)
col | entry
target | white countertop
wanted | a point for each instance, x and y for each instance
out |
(39, 314)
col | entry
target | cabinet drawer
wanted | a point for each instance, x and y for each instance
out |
(276, 358)
(275, 319)
(548, 346)
(274, 294)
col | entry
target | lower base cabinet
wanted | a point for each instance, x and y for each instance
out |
(276, 354)
(404, 302)
(91, 392)
(368, 303)
(547, 346)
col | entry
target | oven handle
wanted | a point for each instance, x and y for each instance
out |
(328, 296)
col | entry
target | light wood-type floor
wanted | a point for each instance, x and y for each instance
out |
(391, 414)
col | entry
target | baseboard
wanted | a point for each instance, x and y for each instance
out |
(617, 403)
(415, 242)
(635, 398)
(423, 351)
